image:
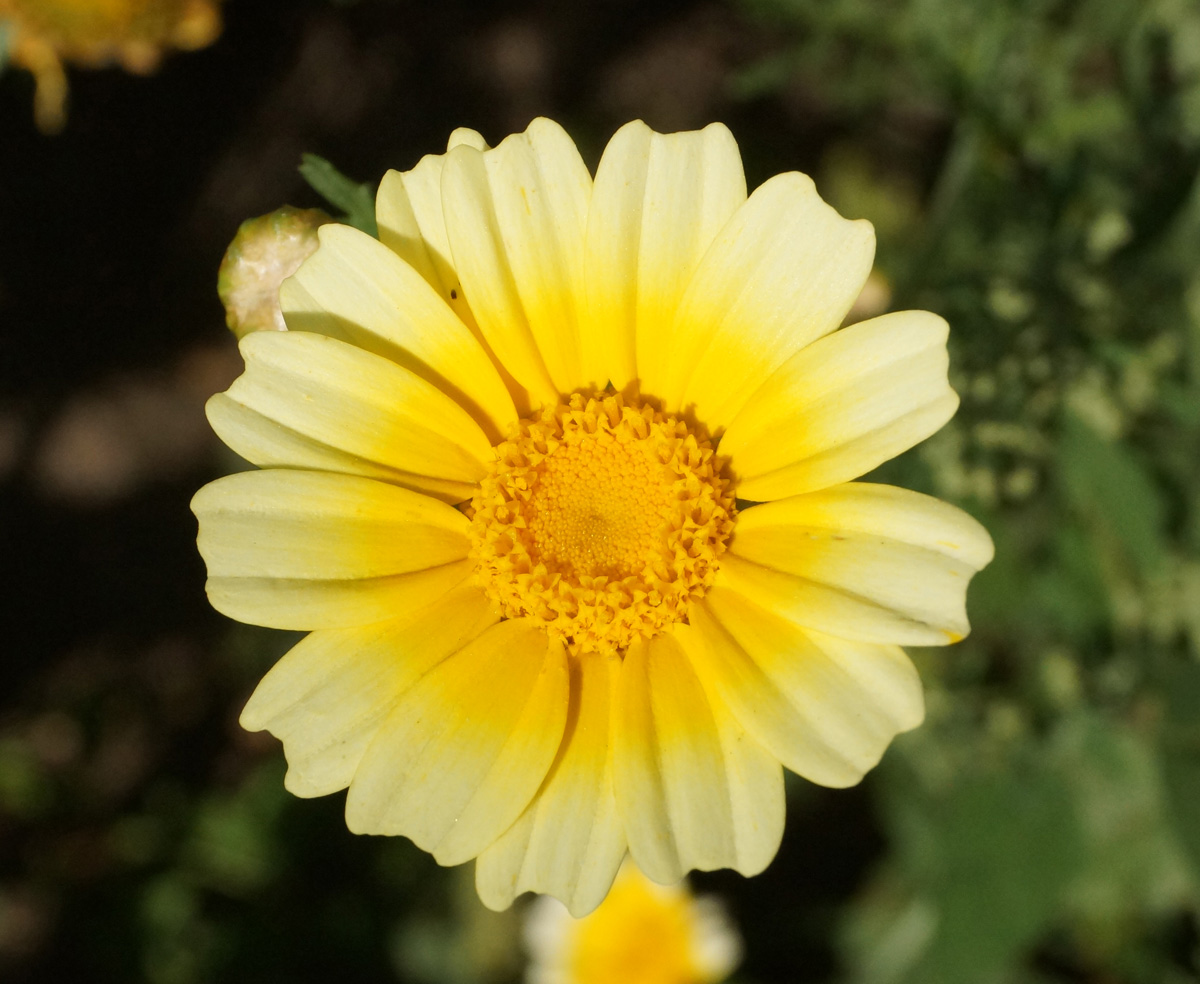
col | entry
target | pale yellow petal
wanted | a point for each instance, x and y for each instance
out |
(290, 603)
(316, 526)
(570, 841)
(659, 200)
(400, 229)
(825, 707)
(860, 561)
(465, 749)
(781, 273)
(694, 790)
(309, 314)
(327, 394)
(408, 210)
(842, 406)
(354, 287)
(478, 257)
(515, 216)
(268, 443)
(465, 136)
(327, 698)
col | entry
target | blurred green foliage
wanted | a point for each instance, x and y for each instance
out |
(1043, 824)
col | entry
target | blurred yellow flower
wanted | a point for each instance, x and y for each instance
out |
(559, 474)
(642, 933)
(93, 33)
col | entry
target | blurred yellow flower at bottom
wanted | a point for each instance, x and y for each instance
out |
(94, 33)
(643, 933)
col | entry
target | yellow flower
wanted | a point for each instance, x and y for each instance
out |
(558, 473)
(131, 33)
(642, 933)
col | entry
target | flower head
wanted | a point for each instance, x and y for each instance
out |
(130, 33)
(559, 474)
(642, 933)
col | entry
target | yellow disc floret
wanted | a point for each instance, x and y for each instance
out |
(602, 519)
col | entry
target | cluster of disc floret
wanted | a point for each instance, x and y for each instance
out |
(601, 519)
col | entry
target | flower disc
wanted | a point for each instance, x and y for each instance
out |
(601, 518)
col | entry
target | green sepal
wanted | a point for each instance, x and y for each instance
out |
(355, 201)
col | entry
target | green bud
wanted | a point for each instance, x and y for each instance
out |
(264, 253)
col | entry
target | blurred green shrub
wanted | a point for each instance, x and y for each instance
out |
(1044, 824)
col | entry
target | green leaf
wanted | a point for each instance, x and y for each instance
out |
(762, 77)
(1010, 845)
(1133, 858)
(233, 847)
(355, 201)
(1181, 402)
(1071, 591)
(992, 854)
(1106, 483)
(886, 932)
(25, 789)
(1181, 756)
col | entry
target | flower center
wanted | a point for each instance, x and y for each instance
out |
(602, 519)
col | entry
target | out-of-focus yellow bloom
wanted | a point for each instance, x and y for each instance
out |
(95, 33)
(642, 933)
(560, 471)
(264, 253)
